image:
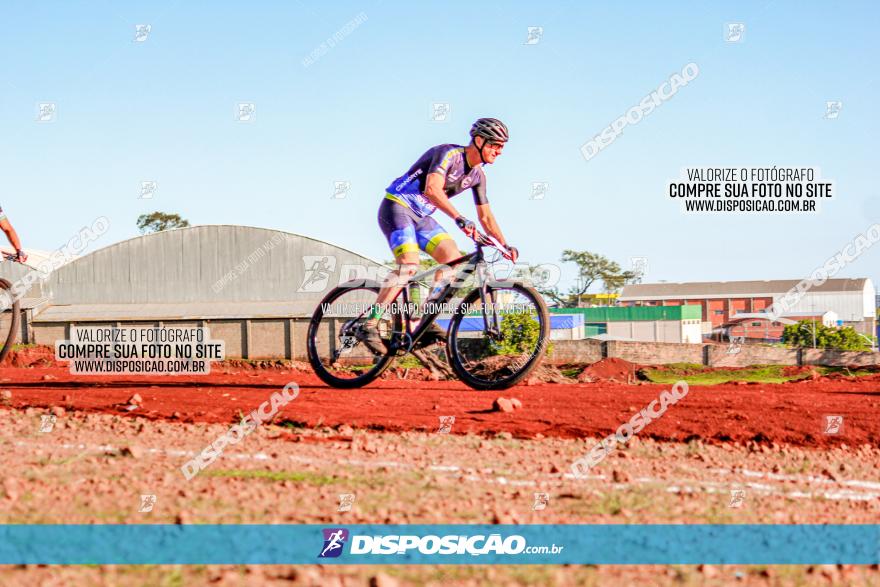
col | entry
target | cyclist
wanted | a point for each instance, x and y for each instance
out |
(439, 174)
(6, 227)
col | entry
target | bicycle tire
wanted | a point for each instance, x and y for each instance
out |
(454, 357)
(312, 336)
(13, 322)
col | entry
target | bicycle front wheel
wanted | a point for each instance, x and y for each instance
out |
(497, 344)
(9, 321)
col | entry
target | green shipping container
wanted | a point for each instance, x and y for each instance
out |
(634, 313)
(595, 329)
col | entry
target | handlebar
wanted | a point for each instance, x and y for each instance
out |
(490, 241)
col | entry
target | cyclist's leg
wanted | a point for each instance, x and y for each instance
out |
(434, 240)
(398, 224)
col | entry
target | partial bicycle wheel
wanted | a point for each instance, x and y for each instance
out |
(497, 345)
(335, 351)
(10, 320)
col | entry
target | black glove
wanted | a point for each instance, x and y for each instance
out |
(468, 227)
(20, 256)
(512, 253)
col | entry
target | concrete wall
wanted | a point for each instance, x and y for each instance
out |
(575, 333)
(744, 355)
(656, 330)
(691, 332)
(250, 339)
(658, 353)
(655, 352)
(839, 358)
(285, 338)
(575, 351)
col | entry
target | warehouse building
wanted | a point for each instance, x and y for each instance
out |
(254, 288)
(853, 300)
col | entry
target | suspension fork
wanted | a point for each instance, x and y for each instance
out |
(488, 301)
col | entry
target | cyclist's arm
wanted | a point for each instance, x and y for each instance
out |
(6, 227)
(435, 194)
(489, 224)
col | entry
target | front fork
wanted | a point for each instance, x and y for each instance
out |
(489, 301)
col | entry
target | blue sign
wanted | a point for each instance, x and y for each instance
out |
(753, 544)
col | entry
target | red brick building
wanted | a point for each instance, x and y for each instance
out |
(851, 299)
(755, 326)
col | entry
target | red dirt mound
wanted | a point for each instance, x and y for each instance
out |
(32, 356)
(610, 369)
(795, 370)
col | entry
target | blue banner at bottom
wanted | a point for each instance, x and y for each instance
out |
(440, 544)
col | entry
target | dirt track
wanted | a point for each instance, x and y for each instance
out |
(791, 413)
(380, 443)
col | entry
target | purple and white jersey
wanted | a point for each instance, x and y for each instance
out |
(409, 188)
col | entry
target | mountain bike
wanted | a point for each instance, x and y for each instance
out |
(8, 300)
(497, 331)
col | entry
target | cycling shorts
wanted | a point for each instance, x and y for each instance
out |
(407, 232)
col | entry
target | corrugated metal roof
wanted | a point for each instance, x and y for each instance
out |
(720, 289)
(216, 263)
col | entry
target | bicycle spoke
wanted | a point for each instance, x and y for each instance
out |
(482, 357)
(338, 348)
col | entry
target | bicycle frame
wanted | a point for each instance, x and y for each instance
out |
(474, 264)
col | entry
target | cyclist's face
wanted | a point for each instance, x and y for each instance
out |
(491, 150)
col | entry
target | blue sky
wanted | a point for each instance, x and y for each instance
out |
(163, 110)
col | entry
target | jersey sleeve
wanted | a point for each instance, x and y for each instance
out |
(441, 161)
(479, 191)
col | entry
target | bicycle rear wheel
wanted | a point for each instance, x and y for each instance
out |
(336, 354)
(500, 343)
(7, 337)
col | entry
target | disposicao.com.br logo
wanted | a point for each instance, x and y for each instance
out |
(334, 541)
(450, 544)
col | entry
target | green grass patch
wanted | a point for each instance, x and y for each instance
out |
(352, 368)
(846, 371)
(636, 499)
(293, 425)
(696, 374)
(409, 362)
(296, 476)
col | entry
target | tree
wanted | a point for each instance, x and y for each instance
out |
(159, 221)
(592, 268)
(827, 337)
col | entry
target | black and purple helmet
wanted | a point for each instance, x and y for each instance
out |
(490, 129)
